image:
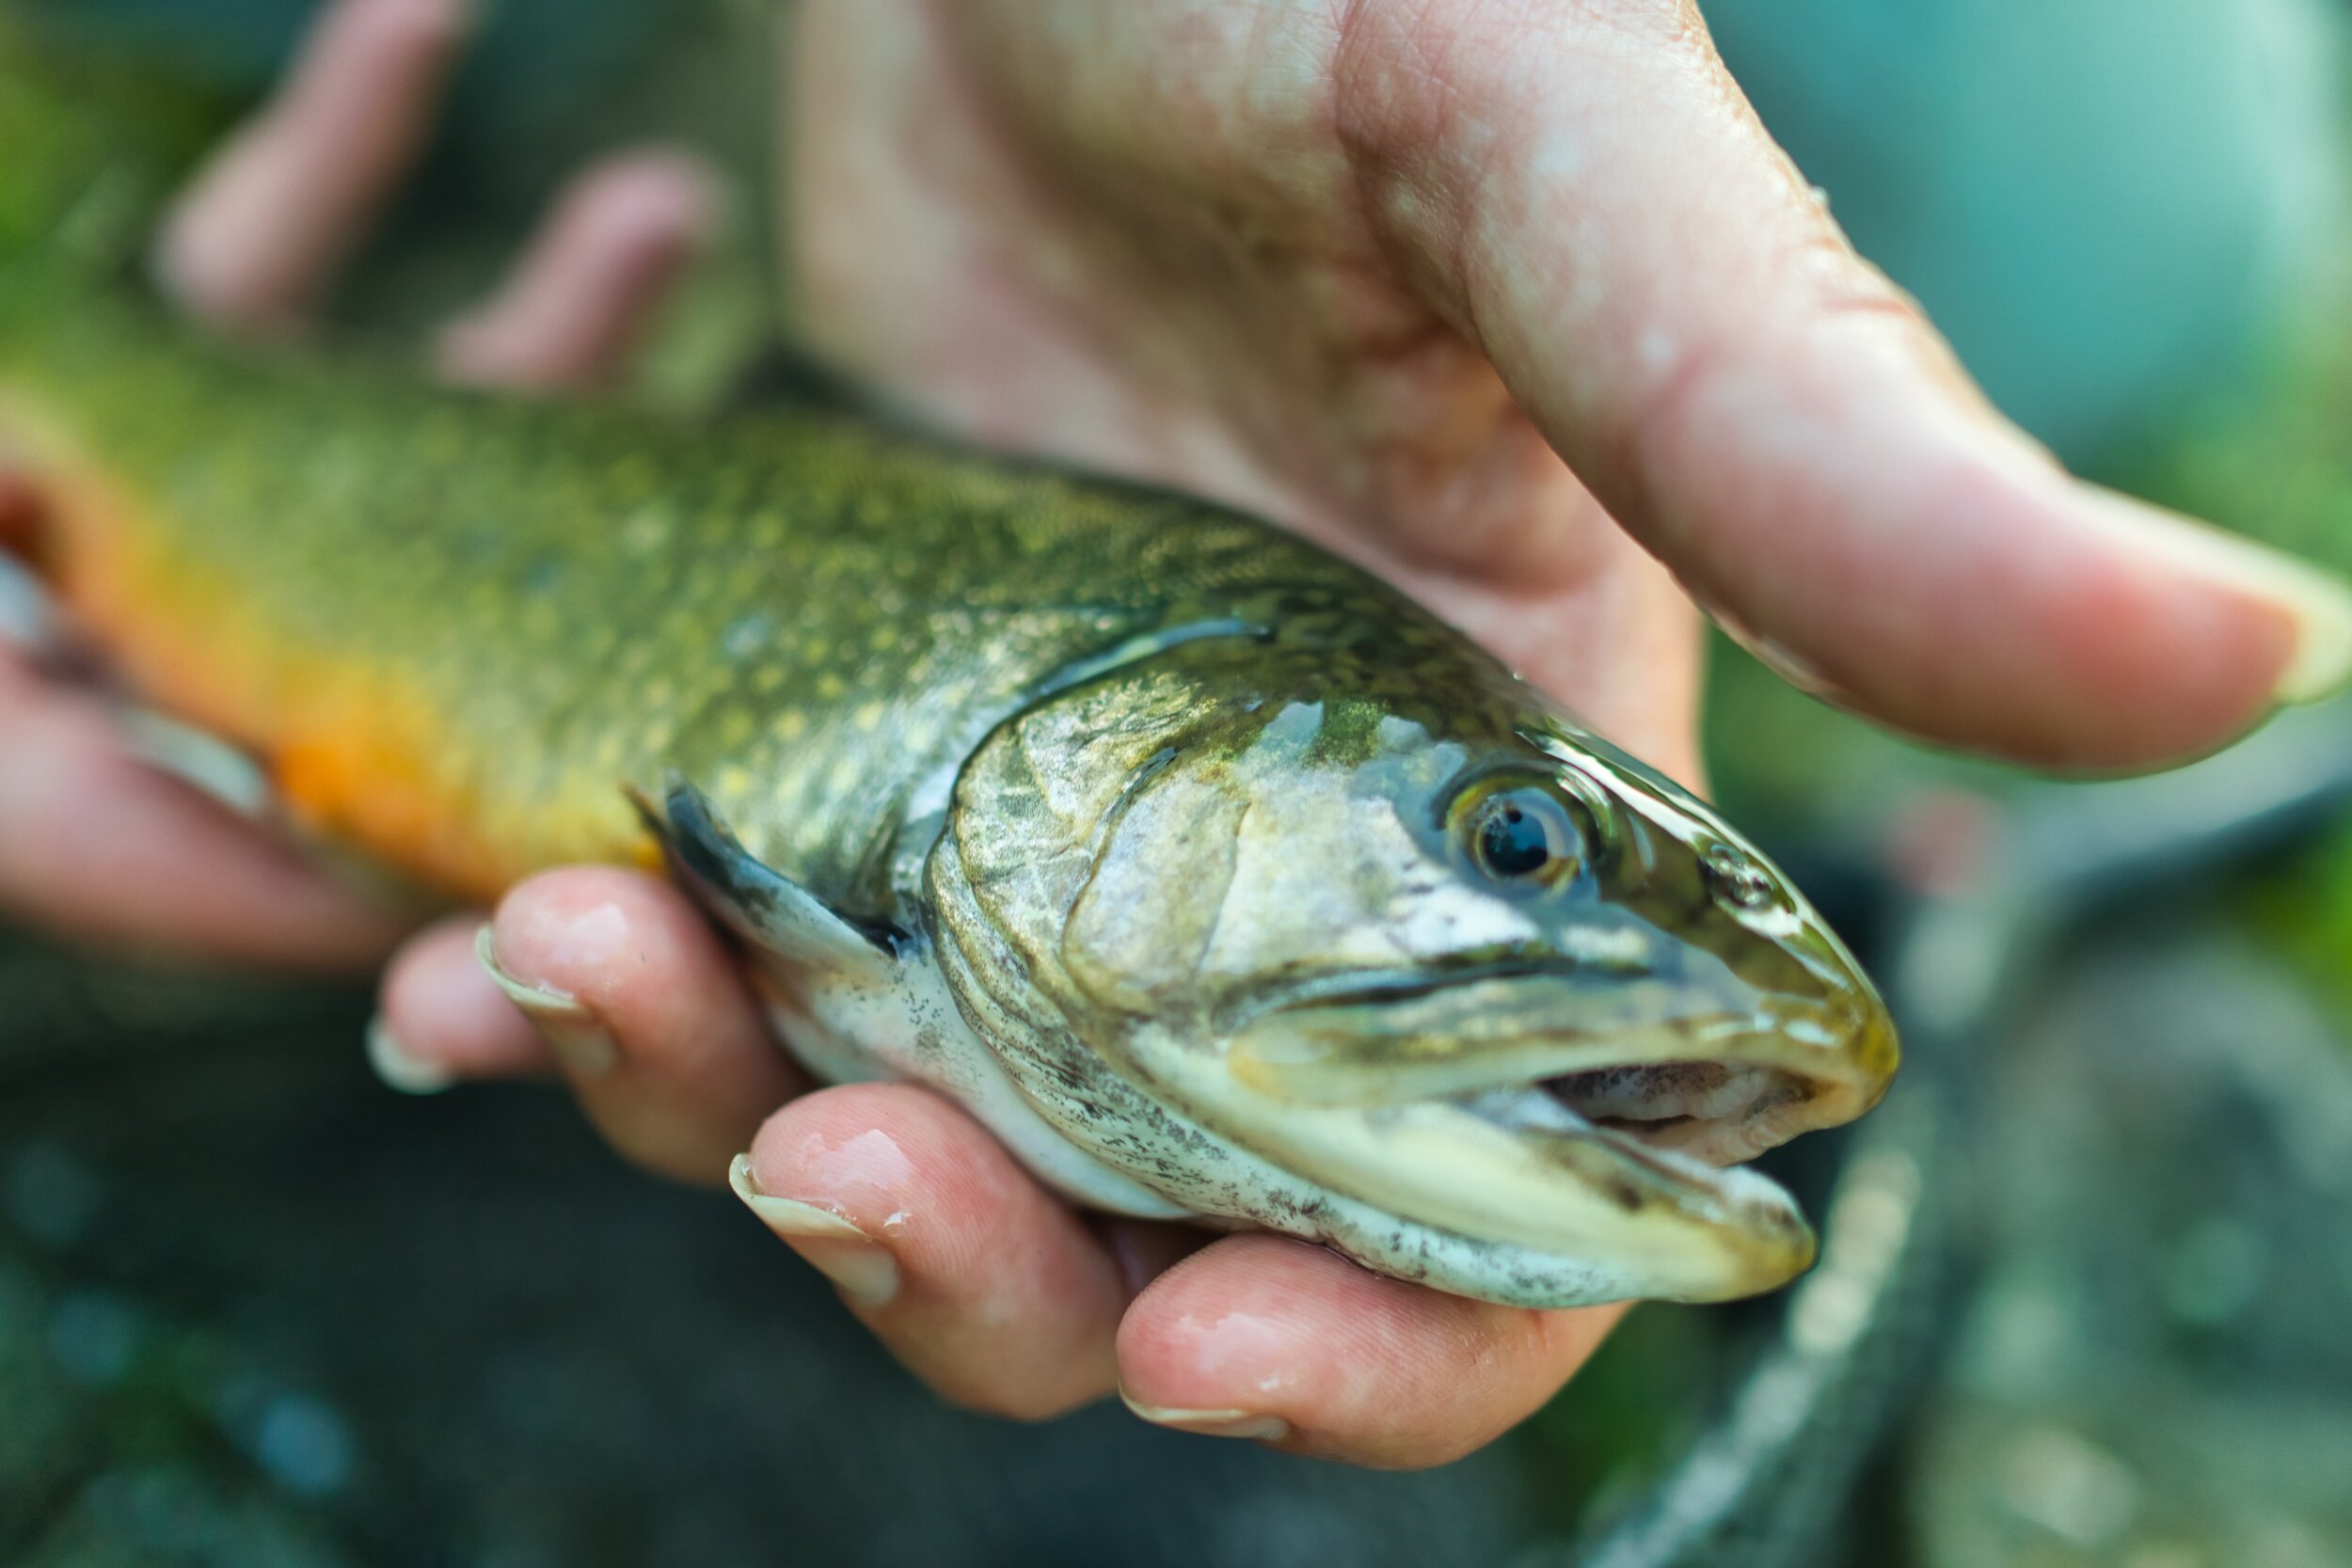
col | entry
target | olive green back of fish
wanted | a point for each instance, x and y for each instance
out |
(807, 615)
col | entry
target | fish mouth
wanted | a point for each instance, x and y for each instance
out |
(1593, 1118)
(1708, 1067)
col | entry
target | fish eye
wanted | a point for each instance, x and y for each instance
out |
(1735, 879)
(1520, 834)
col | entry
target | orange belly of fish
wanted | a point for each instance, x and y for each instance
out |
(356, 755)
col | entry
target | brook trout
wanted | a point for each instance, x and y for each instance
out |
(1216, 877)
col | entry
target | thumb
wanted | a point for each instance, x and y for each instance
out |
(1778, 424)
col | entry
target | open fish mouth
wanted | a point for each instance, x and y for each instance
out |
(1559, 1113)
(1712, 1069)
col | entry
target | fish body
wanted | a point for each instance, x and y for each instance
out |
(1216, 876)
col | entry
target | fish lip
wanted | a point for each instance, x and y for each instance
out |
(1509, 1173)
(1367, 987)
(1844, 1045)
(1363, 988)
(1831, 1059)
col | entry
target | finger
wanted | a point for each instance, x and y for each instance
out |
(643, 1010)
(105, 848)
(1146, 1249)
(985, 1286)
(600, 266)
(1264, 1338)
(443, 1019)
(262, 230)
(1677, 310)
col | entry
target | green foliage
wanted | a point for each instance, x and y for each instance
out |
(2271, 458)
(87, 149)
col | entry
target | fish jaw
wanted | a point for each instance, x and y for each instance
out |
(1557, 1118)
(1508, 1194)
(1114, 1141)
(1509, 1183)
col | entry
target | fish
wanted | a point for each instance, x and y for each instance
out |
(1217, 878)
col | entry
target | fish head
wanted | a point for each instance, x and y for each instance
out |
(1517, 1003)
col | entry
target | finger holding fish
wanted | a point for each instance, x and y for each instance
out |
(1263, 1339)
(441, 1020)
(643, 1010)
(988, 1288)
(99, 846)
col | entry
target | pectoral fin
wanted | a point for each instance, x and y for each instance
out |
(766, 908)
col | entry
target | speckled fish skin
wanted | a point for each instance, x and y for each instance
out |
(803, 614)
(1215, 875)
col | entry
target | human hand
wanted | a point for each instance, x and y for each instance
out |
(1376, 271)
(94, 841)
(1516, 302)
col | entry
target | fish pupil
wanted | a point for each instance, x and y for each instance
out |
(1514, 842)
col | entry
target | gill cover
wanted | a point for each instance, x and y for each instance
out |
(776, 915)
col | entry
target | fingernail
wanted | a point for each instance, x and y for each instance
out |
(2322, 661)
(859, 1266)
(2316, 601)
(27, 620)
(571, 1028)
(1775, 657)
(400, 1070)
(206, 763)
(1211, 1423)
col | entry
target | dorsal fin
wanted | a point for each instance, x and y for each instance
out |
(764, 906)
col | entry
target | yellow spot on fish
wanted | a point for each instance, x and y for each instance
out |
(869, 716)
(791, 724)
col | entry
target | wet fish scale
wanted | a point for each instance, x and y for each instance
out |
(625, 621)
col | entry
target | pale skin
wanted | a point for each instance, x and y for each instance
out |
(1514, 301)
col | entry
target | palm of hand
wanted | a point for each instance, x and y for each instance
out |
(1187, 242)
(1368, 268)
